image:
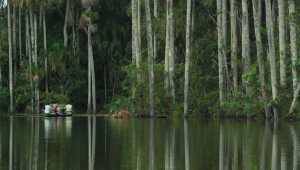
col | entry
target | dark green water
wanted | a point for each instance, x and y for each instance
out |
(87, 143)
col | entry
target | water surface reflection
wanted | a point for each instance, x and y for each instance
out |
(92, 143)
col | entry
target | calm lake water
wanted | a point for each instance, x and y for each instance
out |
(88, 143)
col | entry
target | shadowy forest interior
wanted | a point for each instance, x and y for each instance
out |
(236, 58)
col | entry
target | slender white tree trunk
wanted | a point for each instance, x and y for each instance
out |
(187, 56)
(282, 41)
(138, 41)
(256, 4)
(220, 52)
(234, 44)
(10, 60)
(293, 41)
(91, 75)
(150, 57)
(245, 43)
(172, 52)
(29, 55)
(167, 49)
(65, 31)
(20, 33)
(45, 52)
(271, 50)
(36, 77)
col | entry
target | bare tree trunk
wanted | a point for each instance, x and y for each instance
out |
(172, 53)
(14, 42)
(138, 48)
(282, 42)
(91, 75)
(225, 39)
(20, 33)
(245, 44)
(150, 57)
(271, 50)
(11, 85)
(256, 4)
(234, 44)
(167, 49)
(66, 37)
(36, 77)
(293, 42)
(29, 55)
(295, 100)
(220, 52)
(187, 56)
(45, 52)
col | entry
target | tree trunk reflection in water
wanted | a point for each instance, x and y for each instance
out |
(186, 145)
(283, 161)
(91, 141)
(170, 149)
(151, 146)
(221, 148)
(235, 151)
(295, 147)
(262, 164)
(274, 150)
(11, 134)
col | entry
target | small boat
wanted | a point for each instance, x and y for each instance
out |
(55, 110)
(58, 114)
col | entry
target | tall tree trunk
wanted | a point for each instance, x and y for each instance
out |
(91, 75)
(245, 43)
(134, 30)
(225, 39)
(138, 41)
(10, 60)
(20, 33)
(234, 44)
(36, 77)
(187, 56)
(150, 57)
(14, 42)
(172, 53)
(293, 42)
(65, 31)
(45, 52)
(29, 54)
(167, 49)
(282, 42)
(271, 50)
(256, 4)
(220, 52)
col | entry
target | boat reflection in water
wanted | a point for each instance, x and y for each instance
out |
(57, 124)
